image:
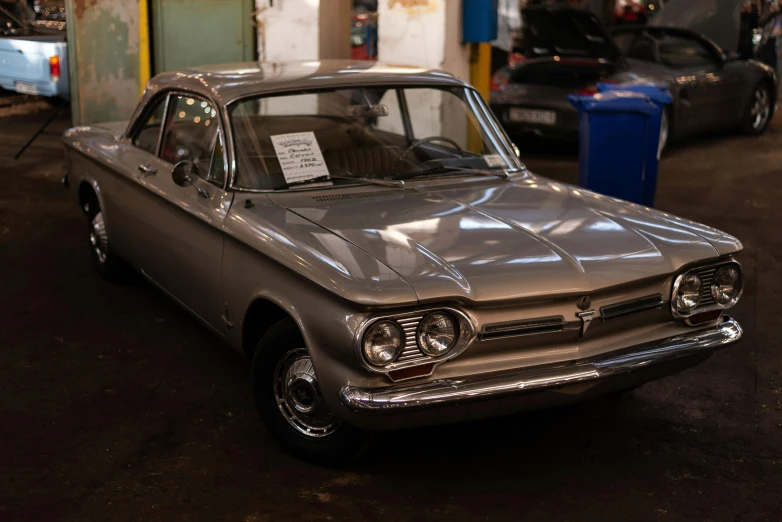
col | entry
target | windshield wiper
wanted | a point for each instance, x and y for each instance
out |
(328, 177)
(443, 169)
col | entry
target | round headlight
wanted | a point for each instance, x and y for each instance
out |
(383, 343)
(437, 334)
(688, 295)
(725, 285)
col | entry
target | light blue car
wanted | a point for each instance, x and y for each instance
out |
(31, 62)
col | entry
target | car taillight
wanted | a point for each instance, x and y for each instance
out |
(54, 68)
(515, 59)
(498, 82)
(589, 90)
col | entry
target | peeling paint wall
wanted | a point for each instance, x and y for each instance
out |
(303, 29)
(412, 32)
(426, 33)
(103, 46)
(288, 30)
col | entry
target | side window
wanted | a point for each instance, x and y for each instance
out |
(678, 51)
(192, 134)
(147, 136)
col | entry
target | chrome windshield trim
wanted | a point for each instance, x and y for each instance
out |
(407, 397)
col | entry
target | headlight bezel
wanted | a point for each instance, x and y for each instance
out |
(467, 333)
(707, 283)
(682, 281)
(399, 348)
(422, 343)
(733, 300)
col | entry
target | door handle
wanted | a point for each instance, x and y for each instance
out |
(147, 169)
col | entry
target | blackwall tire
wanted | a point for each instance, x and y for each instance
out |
(289, 404)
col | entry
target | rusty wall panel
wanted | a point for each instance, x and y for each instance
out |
(103, 45)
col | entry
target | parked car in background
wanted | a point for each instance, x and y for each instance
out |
(32, 62)
(569, 51)
(363, 36)
(382, 268)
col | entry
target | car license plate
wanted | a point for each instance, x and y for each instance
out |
(26, 88)
(532, 116)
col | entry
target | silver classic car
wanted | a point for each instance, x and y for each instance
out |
(366, 235)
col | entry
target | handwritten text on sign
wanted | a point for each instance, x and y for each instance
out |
(299, 155)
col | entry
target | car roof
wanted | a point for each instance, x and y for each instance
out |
(225, 83)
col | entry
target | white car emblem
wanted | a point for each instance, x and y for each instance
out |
(586, 320)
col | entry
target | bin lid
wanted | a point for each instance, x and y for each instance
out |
(613, 101)
(657, 92)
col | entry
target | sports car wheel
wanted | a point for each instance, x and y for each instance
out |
(108, 265)
(759, 110)
(290, 403)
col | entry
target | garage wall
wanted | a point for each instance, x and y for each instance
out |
(201, 32)
(303, 29)
(103, 49)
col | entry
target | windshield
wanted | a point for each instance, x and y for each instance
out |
(381, 133)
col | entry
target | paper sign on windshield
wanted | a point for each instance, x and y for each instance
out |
(300, 156)
(494, 160)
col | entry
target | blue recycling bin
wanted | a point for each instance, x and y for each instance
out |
(619, 132)
(660, 96)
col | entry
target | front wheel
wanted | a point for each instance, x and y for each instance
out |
(106, 262)
(759, 110)
(290, 404)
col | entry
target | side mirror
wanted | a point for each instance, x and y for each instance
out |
(730, 56)
(183, 175)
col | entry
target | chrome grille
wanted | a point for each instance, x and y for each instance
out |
(361, 195)
(524, 327)
(706, 275)
(632, 306)
(462, 184)
(410, 353)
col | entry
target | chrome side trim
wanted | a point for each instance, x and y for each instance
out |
(630, 307)
(524, 327)
(403, 398)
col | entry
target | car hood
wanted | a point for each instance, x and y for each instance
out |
(492, 240)
(555, 30)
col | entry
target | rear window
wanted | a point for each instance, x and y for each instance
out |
(560, 74)
(566, 32)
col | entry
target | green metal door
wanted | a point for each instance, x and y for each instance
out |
(201, 32)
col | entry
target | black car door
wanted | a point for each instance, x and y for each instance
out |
(707, 89)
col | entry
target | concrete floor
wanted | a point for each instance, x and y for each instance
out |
(116, 405)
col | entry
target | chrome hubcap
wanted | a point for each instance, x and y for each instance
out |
(99, 239)
(761, 108)
(298, 396)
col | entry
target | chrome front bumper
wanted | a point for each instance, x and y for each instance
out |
(409, 397)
